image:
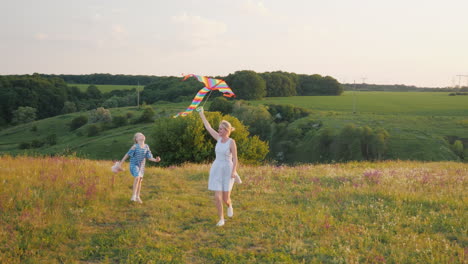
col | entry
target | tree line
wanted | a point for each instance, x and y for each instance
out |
(247, 85)
(51, 95)
(27, 98)
(105, 78)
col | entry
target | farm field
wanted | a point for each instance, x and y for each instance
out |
(70, 210)
(382, 103)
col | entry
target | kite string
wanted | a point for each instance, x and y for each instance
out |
(208, 97)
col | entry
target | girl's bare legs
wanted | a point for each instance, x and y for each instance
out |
(139, 189)
(219, 205)
(135, 188)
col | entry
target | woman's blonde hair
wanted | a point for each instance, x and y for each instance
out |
(135, 136)
(226, 125)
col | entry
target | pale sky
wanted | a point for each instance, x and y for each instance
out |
(412, 42)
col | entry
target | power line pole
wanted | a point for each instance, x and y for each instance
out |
(459, 79)
(138, 95)
(354, 98)
(363, 82)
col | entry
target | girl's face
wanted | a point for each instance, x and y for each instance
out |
(140, 138)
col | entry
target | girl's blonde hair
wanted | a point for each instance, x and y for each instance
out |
(226, 125)
(135, 136)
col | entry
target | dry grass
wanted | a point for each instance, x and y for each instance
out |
(69, 210)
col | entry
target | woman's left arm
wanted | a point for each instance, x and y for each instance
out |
(234, 157)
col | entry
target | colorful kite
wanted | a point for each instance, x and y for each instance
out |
(210, 85)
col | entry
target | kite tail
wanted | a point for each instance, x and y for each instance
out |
(195, 102)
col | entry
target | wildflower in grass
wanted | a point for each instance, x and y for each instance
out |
(373, 176)
(138, 154)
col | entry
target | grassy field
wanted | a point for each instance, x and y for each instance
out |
(382, 103)
(70, 210)
(104, 88)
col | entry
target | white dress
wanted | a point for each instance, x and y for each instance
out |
(221, 170)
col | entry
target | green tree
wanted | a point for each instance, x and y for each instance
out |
(47, 96)
(457, 148)
(347, 145)
(221, 104)
(78, 122)
(330, 86)
(111, 102)
(184, 139)
(92, 92)
(69, 107)
(317, 85)
(279, 84)
(24, 114)
(256, 118)
(100, 115)
(148, 115)
(287, 113)
(92, 130)
(247, 85)
(379, 143)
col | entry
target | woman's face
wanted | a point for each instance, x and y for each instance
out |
(222, 131)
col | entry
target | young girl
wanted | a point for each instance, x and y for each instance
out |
(138, 154)
(223, 172)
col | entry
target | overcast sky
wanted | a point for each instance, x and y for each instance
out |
(412, 42)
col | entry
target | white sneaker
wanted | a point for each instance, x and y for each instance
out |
(237, 178)
(230, 211)
(133, 199)
(138, 199)
(220, 223)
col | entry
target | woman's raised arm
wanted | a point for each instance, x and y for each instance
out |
(207, 125)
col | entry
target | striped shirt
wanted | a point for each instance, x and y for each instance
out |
(138, 156)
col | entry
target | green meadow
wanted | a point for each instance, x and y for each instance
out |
(382, 103)
(70, 210)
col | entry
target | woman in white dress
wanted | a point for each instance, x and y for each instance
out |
(223, 172)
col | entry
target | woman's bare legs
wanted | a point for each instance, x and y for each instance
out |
(227, 198)
(228, 202)
(219, 206)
